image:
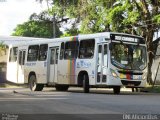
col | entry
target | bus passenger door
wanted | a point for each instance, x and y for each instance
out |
(102, 65)
(21, 63)
(53, 64)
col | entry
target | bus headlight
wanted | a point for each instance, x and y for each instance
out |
(114, 74)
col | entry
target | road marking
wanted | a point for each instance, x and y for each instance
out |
(5, 99)
(37, 95)
(48, 95)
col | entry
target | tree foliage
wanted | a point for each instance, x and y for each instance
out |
(38, 26)
(140, 17)
(2, 48)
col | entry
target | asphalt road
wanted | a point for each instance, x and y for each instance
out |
(100, 103)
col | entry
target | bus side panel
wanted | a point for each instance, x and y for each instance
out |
(87, 65)
(64, 72)
(40, 70)
(12, 72)
(68, 71)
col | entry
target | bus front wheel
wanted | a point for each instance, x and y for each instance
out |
(85, 83)
(33, 85)
(116, 89)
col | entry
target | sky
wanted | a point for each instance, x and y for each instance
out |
(14, 12)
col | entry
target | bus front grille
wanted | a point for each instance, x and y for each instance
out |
(135, 83)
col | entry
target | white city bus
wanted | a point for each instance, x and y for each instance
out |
(93, 60)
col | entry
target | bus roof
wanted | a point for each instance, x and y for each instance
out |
(14, 40)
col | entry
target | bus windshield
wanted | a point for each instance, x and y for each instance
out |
(128, 56)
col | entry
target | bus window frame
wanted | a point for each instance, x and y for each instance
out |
(37, 54)
(66, 51)
(43, 53)
(62, 49)
(13, 57)
(81, 56)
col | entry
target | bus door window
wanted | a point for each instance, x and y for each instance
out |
(52, 56)
(22, 57)
(23, 60)
(62, 51)
(102, 63)
(99, 62)
(53, 64)
(105, 63)
(105, 56)
(56, 57)
(13, 54)
(43, 52)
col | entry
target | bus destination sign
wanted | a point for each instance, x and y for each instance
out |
(125, 38)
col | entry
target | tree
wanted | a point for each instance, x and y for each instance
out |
(139, 17)
(85, 15)
(38, 26)
(70, 32)
(2, 49)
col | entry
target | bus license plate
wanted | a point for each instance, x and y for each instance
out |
(130, 84)
(137, 77)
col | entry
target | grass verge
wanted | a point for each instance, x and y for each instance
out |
(155, 89)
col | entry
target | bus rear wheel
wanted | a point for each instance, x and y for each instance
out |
(116, 89)
(61, 87)
(85, 83)
(33, 85)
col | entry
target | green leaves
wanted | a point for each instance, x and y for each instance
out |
(37, 26)
(2, 48)
(90, 16)
(156, 18)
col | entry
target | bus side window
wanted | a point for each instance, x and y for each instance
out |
(62, 51)
(33, 53)
(43, 52)
(86, 49)
(13, 54)
(71, 49)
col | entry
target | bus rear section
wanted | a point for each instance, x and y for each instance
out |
(12, 65)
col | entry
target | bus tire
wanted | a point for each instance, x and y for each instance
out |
(85, 83)
(61, 87)
(33, 85)
(116, 89)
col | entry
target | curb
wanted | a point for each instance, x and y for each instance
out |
(8, 85)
